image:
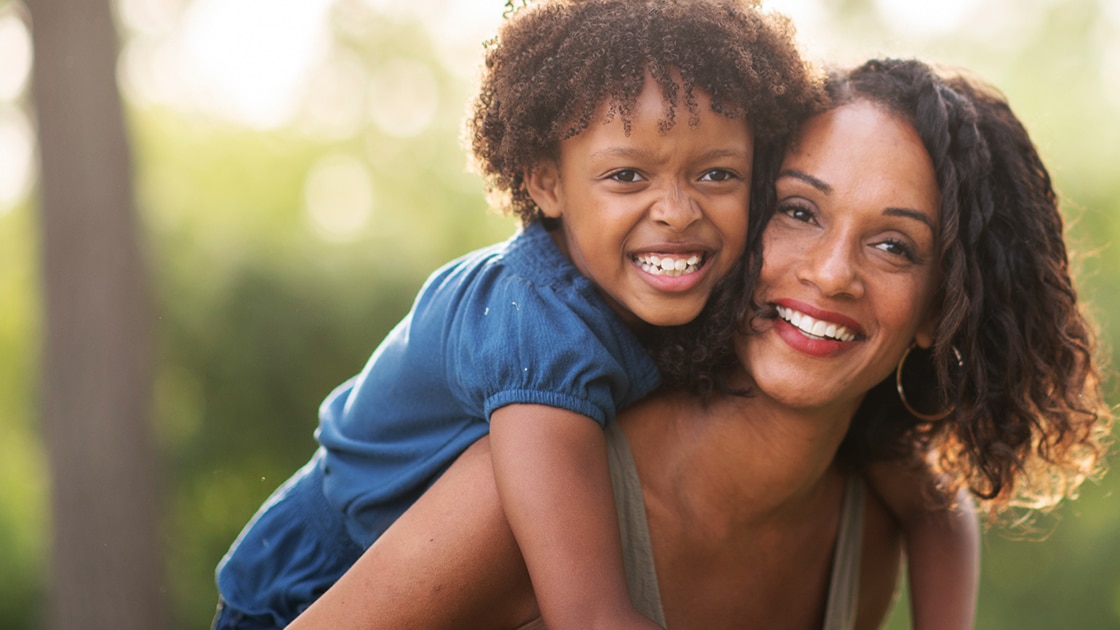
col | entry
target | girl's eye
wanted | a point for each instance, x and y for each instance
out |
(717, 175)
(898, 248)
(798, 211)
(626, 175)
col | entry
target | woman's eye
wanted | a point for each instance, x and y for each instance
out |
(626, 175)
(717, 175)
(798, 212)
(897, 248)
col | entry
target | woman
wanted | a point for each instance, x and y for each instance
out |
(914, 213)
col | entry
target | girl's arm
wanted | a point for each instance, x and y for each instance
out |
(942, 546)
(551, 470)
(450, 561)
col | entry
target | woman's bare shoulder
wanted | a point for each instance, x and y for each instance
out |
(880, 565)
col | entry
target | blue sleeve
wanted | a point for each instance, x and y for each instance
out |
(515, 324)
(554, 345)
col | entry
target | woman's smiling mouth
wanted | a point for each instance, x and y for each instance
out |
(816, 328)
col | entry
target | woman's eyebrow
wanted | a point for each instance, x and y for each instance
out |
(910, 213)
(808, 179)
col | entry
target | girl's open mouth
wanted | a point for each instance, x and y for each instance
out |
(670, 265)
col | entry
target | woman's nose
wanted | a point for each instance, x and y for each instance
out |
(832, 265)
(675, 209)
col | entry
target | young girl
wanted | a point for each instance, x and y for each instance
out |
(622, 133)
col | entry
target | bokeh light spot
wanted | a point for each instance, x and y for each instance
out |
(15, 51)
(335, 105)
(17, 157)
(248, 59)
(338, 197)
(403, 97)
(925, 18)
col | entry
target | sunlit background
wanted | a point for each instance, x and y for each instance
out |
(298, 173)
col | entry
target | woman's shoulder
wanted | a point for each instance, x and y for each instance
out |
(880, 563)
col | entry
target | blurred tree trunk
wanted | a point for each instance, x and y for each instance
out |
(96, 388)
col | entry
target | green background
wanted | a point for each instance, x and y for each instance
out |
(261, 314)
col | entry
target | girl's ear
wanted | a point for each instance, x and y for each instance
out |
(542, 180)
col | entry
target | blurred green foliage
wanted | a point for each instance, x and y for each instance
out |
(23, 503)
(260, 317)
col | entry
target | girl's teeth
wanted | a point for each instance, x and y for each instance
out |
(668, 266)
(814, 327)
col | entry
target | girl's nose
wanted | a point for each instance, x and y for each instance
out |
(675, 209)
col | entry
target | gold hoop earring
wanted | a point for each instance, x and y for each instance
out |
(902, 393)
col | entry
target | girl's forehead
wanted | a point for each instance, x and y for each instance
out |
(677, 103)
(655, 118)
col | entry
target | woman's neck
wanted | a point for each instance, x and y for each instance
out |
(765, 459)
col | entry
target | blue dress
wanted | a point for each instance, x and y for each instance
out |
(514, 323)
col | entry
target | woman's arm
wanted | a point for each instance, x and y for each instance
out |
(450, 561)
(942, 547)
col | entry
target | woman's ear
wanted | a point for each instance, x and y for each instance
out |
(924, 335)
(542, 180)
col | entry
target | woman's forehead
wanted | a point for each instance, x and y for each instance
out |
(860, 145)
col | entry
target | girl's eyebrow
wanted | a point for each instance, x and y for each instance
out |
(808, 179)
(728, 153)
(621, 152)
(633, 153)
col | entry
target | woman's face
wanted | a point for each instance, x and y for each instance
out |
(849, 260)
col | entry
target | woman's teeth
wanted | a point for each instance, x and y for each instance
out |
(667, 265)
(815, 327)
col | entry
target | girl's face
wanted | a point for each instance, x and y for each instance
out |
(850, 263)
(654, 218)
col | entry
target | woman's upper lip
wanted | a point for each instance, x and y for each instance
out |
(819, 313)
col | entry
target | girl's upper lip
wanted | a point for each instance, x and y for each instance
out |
(692, 247)
(818, 313)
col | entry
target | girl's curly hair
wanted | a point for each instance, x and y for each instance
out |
(1028, 421)
(555, 62)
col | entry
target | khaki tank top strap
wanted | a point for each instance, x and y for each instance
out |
(637, 552)
(843, 590)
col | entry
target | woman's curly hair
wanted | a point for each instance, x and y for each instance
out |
(1028, 421)
(555, 62)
